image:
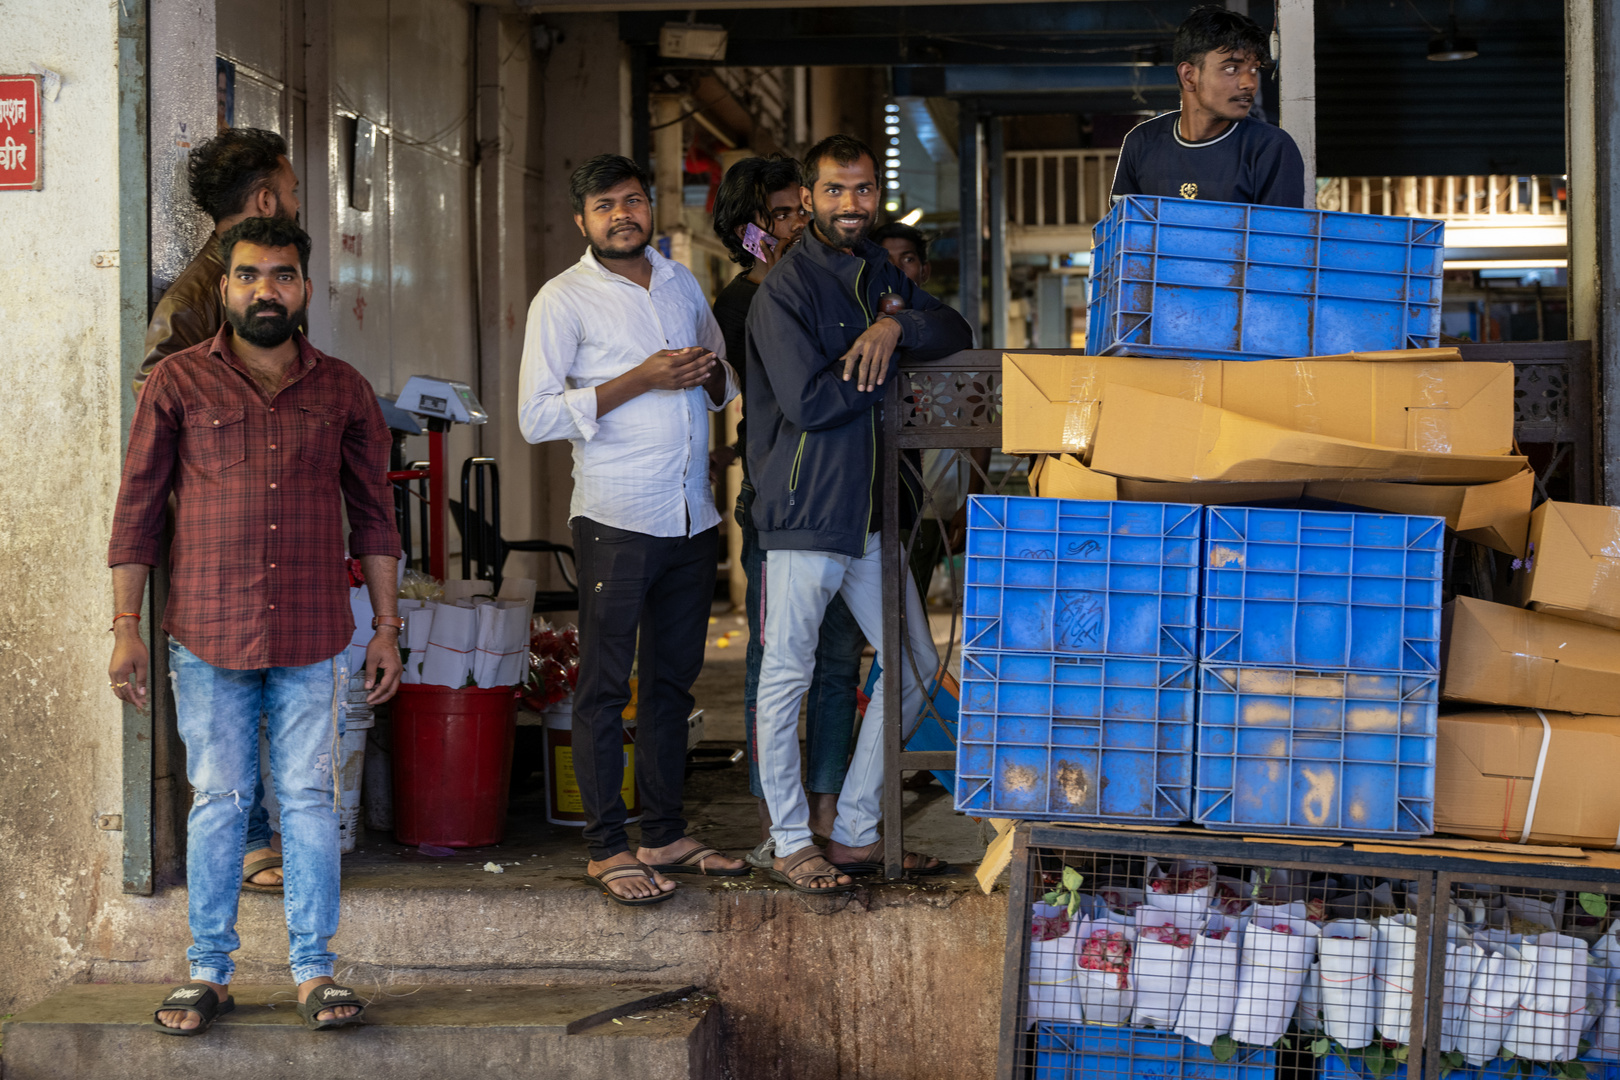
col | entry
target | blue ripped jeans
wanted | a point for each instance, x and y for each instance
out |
(218, 711)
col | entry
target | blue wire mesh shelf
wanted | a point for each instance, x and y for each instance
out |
(1229, 281)
(1077, 576)
(1316, 752)
(1322, 589)
(1072, 738)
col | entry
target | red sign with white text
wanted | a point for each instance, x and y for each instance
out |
(20, 134)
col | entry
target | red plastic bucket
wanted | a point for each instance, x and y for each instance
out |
(452, 764)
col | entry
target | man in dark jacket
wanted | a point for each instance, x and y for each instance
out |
(238, 174)
(819, 351)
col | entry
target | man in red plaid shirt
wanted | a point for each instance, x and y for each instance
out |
(263, 441)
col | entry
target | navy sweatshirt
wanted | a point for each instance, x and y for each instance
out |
(1249, 162)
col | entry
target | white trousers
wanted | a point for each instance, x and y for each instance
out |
(797, 588)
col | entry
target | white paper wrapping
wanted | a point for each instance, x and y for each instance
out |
(1212, 981)
(447, 661)
(1606, 960)
(1271, 975)
(1189, 904)
(1397, 958)
(1054, 991)
(1159, 969)
(502, 651)
(1103, 998)
(1349, 956)
(1493, 999)
(1552, 1009)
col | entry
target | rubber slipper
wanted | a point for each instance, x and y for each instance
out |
(692, 863)
(798, 880)
(614, 873)
(330, 996)
(259, 866)
(195, 998)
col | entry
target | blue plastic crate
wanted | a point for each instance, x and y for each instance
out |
(1322, 589)
(1077, 576)
(1316, 752)
(1230, 281)
(1091, 1052)
(1334, 1068)
(1075, 738)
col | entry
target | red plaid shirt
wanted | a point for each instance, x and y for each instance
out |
(257, 578)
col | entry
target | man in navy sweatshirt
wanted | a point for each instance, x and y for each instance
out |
(819, 352)
(1212, 148)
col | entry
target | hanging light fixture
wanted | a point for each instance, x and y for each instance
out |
(1453, 44)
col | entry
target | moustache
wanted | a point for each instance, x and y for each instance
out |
(266, 305)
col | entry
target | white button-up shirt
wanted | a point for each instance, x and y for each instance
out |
(644, 466)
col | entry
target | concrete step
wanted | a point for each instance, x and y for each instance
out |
(438, 1032)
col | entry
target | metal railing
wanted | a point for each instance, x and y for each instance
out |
(1056, 196)
(1480, 200)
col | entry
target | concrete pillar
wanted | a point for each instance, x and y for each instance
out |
(183, 114)
(1296, 26)
(1592, 48)
(826, 118)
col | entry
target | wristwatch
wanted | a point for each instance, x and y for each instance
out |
(395, 621)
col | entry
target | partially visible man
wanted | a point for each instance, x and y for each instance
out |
(264, 442)
(764, 193)
(1212, 148)
(622, 358)
(238, 174)
(907, 248)
(818, 354)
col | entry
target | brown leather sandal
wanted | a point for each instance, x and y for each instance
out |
(809, 864)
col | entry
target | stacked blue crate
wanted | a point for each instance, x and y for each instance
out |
(1319, 672)
(1228, 281)
(1079, 660)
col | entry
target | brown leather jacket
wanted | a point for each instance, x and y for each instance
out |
(189, 313)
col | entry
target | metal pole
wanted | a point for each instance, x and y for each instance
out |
(436, 498)
(1296, 101)
(891, 654)
(996, 218)
(969, 248)
(1605, 341)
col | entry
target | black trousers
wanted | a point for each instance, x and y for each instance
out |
(664, 587)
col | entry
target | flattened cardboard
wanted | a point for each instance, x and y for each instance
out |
(1486, 766)
(1215, 493)
(1404, 355)
(1575, 566)
(1495, 515)
(1500, 655)
(1147, 436)
(1061, 476)
(1432, 401)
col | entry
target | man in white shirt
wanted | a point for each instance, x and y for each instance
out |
(622, 357)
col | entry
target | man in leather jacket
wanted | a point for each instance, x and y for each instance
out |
(239, 173)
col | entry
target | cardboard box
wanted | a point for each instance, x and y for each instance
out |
(1574, 564)
(1147, 436)
(1495, 515)
(1061, 476)
(1500, 655)
(1051, 404)
(1401, 355)
(1486, 770)
(1214, 493)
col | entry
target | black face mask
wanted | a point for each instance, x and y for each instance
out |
(261, 332)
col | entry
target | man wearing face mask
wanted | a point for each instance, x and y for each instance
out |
(819, 352)
(1212, 148)
(763, 193)
(264, 442)
(622, 358)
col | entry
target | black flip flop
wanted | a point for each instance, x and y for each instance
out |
(792, 862)
(195, 998)
(692, 863)
(330, 996)
(614, 873)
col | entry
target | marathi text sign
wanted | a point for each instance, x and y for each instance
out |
(20, 133)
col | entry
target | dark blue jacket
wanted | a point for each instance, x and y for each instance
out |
(813, 440)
